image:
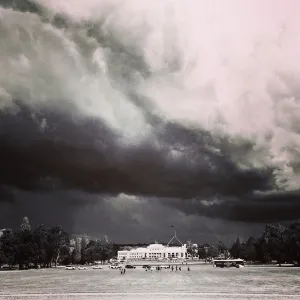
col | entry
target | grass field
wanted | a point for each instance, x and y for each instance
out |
(203, 282)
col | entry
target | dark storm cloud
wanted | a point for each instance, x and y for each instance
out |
(84, 155)
(57, 208)
(6, 194)
(124, 219)
(24, 5)
(252, 208)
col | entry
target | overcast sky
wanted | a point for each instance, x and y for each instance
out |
(126, 117)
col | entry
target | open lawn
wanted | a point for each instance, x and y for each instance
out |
(203, 282)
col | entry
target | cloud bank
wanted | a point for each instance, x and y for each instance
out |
(194, 104)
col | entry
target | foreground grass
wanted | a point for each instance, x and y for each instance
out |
(204, 279)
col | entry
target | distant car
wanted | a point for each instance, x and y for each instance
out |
(97, 267)
(82, 268)
(239, 266)
(130, 267)
(114, 267)
(70, 268)
(164, 267)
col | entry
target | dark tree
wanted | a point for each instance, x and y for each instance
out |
(7, 248)
(294, 242)
(84, 243)
(212, 251)
(235, 249)
(25, 224)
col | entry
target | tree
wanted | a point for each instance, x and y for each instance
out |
(248, 251)
(104, 249)
(50, 241)
(8, 248)
(294, 242)
(41, 246)
(26, 248)
(100, 250)
(84, 243)
(275, 241)
(192, 250)
(41, 233)
(222, 249)
(65, 256)
(25, 224)
(57, 239)
(263, 254)
(235, 249)
(203, 251)
(212, 251)
(77, 251)
(107, 251)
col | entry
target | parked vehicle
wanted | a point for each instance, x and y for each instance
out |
(221, 263)
(239, 266)
(114, 267)
(165, 267)
(70, 268)
(130, 267)
(97, 267)
(82, 268)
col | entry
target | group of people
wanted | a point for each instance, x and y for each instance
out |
(177, 268)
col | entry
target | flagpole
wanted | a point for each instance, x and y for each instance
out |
(174, 230)
(175, 236)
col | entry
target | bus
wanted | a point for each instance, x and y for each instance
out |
(221, 263)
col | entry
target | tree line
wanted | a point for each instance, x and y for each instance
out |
(277, 243)
(47, 246)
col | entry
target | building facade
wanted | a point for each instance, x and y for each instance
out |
(155, 252)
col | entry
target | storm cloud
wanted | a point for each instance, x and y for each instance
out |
(191, 107)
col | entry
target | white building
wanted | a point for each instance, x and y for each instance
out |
(156, 251)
